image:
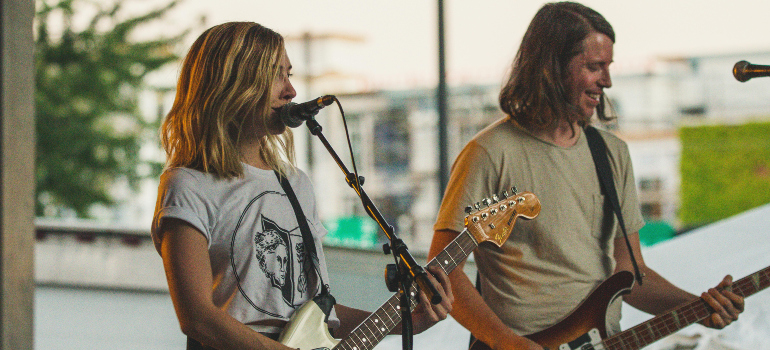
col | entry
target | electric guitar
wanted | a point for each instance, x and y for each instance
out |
(491, 221)
(585, 328)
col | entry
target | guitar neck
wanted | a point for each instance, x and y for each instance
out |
(372, 330)
(683, 316)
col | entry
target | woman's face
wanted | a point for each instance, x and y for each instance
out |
(281, 93)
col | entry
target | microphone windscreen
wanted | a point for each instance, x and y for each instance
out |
(288, 118)
(739, 71)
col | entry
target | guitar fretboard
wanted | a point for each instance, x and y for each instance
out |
(660, 326)
(372, 330)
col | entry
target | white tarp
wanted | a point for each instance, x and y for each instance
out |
(698, 260)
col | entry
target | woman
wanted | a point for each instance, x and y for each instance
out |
(235, 259)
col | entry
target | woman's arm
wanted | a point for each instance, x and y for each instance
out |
(424, 316)
(184, 250)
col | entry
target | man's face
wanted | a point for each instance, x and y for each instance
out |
(589, 73)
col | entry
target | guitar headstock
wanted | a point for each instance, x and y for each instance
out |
(493, 219)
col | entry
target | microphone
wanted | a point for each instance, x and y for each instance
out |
(293, 114)
(743, 71)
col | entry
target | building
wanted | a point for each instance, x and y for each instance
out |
(394, 136)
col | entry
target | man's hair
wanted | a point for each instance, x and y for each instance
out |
(225, 83)
(535, 95)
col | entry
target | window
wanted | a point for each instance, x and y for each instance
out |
(651, 211)
(650, 184)
(391, 137)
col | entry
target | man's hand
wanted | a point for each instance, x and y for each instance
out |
(726, 304)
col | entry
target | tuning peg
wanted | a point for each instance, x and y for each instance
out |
(505, 194)
(495, 198)
(477, 206)
(468, 209)
(486, 201)
(514, 190)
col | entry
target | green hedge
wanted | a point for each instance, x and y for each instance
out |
(725, 171)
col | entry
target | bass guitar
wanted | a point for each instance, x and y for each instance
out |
(585, 327)
(488, 222)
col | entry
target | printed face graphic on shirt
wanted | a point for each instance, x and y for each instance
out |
(282, 266)
(276, 276)
(273, 256)
(273, 250)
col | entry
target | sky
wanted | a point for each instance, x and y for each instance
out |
(399, 49)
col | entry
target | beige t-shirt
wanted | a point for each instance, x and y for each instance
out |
(550, 264)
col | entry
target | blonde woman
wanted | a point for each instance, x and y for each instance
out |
(231, 243)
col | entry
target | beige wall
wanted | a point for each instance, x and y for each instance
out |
(16, 174)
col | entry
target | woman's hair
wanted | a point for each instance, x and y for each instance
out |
(535, 95)
(224, 84)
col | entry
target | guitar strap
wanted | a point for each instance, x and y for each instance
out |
(307, 236)
(602, 163)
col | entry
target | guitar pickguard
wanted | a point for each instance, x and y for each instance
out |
(588, 341)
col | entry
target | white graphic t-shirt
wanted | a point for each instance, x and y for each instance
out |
(260, 270)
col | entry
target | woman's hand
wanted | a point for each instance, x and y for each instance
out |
(426, 314)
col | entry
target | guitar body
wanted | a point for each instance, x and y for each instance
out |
(307, 329)
(585, 323)
(585, 328)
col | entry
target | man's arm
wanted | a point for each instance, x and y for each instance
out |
(657, 295)
(471, 311)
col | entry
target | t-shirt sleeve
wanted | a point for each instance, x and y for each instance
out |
(473, 176)
(182, 196)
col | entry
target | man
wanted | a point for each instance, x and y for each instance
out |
(550, 264)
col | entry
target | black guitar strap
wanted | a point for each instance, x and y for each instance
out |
(602, 163)
(307, 236)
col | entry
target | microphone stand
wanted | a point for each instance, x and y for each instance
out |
(404, 260)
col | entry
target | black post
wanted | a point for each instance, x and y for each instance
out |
(441, 98)
(307, 42)
(17, 174)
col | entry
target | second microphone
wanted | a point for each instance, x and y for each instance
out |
(743, 71)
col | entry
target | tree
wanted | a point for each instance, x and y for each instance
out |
(89, 127)
(725, 171)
